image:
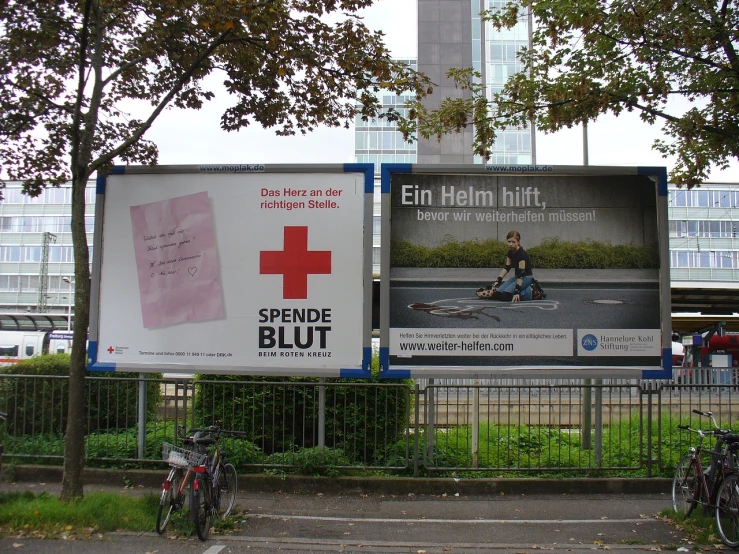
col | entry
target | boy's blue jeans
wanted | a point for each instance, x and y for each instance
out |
(510, 287)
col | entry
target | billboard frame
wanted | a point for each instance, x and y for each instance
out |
(366, 171)
(657, 174)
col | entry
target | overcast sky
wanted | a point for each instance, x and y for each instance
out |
(186, 137)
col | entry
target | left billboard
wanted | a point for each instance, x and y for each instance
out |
(233, 269)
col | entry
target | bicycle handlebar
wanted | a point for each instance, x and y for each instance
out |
(724, 435)
(213, 431)
(716, 429)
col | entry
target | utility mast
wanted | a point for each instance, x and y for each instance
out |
(43, 278)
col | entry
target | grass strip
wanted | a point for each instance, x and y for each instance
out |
(43, 516)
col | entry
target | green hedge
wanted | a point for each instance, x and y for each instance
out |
(38, 405)
(552, 253)
(361, 421)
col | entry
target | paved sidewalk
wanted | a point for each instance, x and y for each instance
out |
(301, 514)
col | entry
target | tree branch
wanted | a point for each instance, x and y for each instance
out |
(146, 125)
(77, 113)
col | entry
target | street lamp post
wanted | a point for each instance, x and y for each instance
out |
(69, 301)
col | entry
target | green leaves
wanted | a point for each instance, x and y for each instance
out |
(675, 63)
(67, 77)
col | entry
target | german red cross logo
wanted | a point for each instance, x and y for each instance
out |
(295, 263)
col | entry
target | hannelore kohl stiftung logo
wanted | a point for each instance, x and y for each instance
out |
(590, 342)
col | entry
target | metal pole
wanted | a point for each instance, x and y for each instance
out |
(475, 422)
(430, 423)
(599, 423)
(69, 281)
(586, 400)
(417, 429)
(649, 430)
(321, 412)
(142, 415)
(532, 123)
(177, 410)
(586, 420)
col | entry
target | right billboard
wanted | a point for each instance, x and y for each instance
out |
(562, 270)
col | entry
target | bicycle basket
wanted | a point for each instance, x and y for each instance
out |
(181, 457)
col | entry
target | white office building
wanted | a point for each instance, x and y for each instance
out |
(36, 254)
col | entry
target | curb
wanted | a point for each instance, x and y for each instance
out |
(379, 485)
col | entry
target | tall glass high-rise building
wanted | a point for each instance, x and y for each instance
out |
(451, 34)
(377, 140)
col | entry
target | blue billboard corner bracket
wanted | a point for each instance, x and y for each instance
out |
(387, 169)
(92, 356)
(665, 372)
(384, 359)
(396, 374)
(100, 181)
(102, 178)
(101, 367)
(355, 374)
(367, 359)
(660, 173)
(369, 174)
(655, 374)
(386, 372)
(92, 351)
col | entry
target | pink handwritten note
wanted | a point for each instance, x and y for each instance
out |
(177, 261)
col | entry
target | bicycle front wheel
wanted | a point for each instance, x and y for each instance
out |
(168, 501)
(685, 486)
(727, 511)
(227, 486)
(200, 506)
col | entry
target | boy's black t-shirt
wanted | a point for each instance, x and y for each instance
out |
(516, 258)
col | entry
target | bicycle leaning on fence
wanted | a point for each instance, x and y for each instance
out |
(182, 462)
(215, 485)
(715, 487)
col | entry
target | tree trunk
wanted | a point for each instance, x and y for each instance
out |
(74, 443)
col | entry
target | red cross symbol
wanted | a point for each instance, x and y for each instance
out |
(295, 263)
(111, 350)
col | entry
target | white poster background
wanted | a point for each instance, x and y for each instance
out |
(480, 342)
(244, 227)
(619, 342)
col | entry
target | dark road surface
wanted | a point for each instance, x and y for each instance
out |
(378, 523)
(573, 308)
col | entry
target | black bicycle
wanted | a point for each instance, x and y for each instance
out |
(216, 483)
(715, 487)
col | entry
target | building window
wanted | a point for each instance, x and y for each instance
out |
(10, 253)
(376, 257)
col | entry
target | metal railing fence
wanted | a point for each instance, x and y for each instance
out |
(532, 428)
(435, 428)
